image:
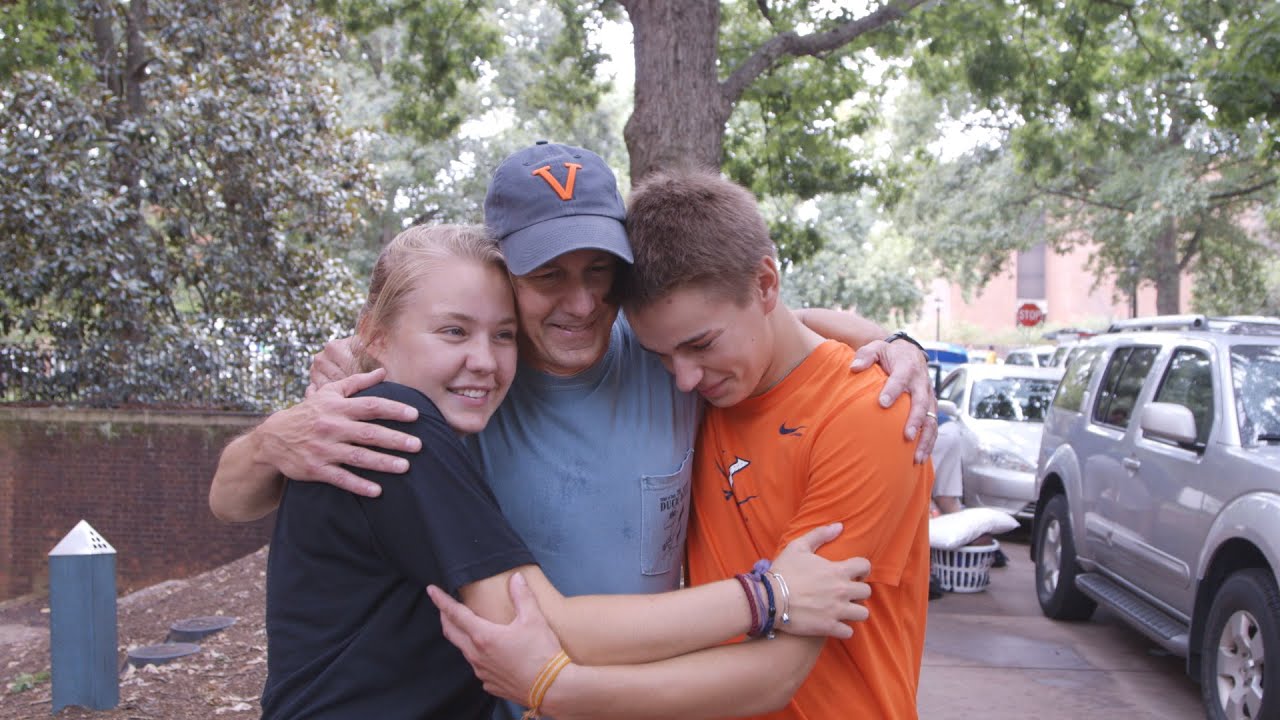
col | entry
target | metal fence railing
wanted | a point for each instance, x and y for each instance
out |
(226, 368)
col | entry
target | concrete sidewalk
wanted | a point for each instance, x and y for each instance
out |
(993, 655)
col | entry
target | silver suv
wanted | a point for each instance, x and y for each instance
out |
(1158, 496)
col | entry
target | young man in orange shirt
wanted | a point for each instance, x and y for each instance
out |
(791, 441)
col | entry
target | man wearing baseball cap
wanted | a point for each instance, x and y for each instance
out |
(589, 456)
(538, 210)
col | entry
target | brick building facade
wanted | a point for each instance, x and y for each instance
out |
(1060, 284)
(139, 477)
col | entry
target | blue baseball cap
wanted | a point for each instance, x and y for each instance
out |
(550, 199)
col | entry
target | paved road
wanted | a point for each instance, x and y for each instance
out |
(993, 656)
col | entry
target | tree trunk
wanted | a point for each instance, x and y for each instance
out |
(1166, 272)
(135, 56)
(680, 109)
(123, 75)
(1167, 264)
(106, 57)
(123, 72)
(682, 106)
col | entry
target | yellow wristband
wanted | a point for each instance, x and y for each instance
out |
(542, 684)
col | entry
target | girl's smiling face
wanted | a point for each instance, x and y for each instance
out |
(454, 340)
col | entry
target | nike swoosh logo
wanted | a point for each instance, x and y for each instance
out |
(784, 430)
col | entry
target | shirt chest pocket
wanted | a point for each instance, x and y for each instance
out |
(664, 518)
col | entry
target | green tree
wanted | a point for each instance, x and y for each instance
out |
(775, 92)
(1243, 77)
(432, 173)
(697, 61)
(199, 177)
(865, 266)
(1116, 115)
(969, 215)
(41, 35)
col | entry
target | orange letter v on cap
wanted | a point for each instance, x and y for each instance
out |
(564, 191)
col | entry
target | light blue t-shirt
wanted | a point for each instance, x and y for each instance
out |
(593, 470)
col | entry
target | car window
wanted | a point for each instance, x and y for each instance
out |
(1110, 378)
(1189, 382)
(1075, 380)
(1017, 358)
(1013, 399)
(953, 389)
(936, 371)
(1059, 355)
(1255, 376)
(1044, 358)
(1121, 384)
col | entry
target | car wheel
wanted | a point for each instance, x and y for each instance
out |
(1056, 567)
(1243, 622)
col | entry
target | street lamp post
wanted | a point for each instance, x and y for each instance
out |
(937, 316)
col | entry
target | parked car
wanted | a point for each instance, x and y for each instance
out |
(942, 359)
(1059, 357)
(1158, 491)
(1034, 356)
(1001, 410)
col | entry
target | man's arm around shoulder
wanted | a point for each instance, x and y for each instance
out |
(311, 441)
(243, 490)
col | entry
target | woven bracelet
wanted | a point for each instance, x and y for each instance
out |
(758, 572)
(745, 581)
(768, 623)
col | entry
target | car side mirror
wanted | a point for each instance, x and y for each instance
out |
(946, 407)
(1169, 421)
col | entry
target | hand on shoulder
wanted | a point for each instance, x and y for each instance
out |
(312, 440)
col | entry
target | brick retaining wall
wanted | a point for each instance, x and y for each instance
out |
(139, 477)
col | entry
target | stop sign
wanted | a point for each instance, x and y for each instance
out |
(1030, 315)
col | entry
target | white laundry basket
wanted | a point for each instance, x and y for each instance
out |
(965, 569)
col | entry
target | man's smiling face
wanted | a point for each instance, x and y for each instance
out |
(565, 320)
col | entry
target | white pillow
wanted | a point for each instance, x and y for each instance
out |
(957, 529)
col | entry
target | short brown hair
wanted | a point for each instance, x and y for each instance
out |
(693, 227)
(405, 259)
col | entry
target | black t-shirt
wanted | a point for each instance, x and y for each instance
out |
(351, 632)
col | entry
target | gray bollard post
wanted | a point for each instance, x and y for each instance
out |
(82, 621)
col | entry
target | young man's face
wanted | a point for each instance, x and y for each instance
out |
(714, 346)
(564, 319)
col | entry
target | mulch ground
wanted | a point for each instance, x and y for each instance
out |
(223, 680)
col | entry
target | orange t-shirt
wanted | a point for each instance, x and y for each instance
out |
(818, 448)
